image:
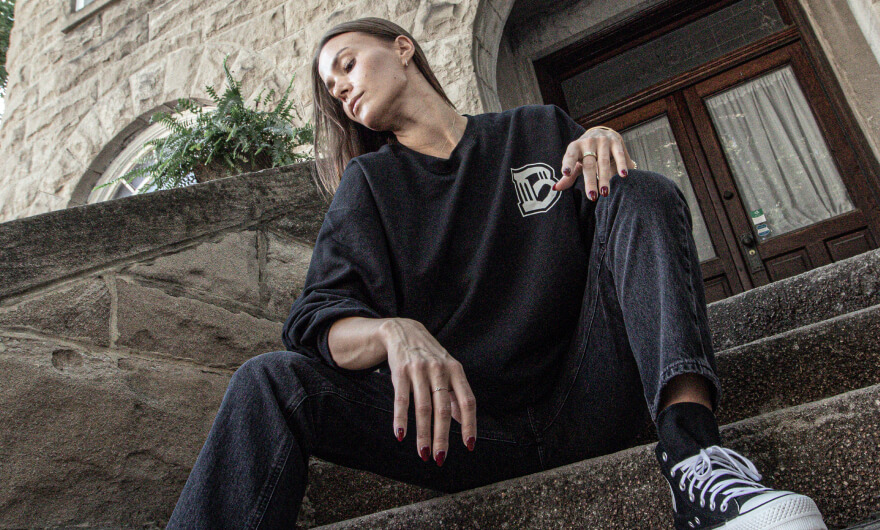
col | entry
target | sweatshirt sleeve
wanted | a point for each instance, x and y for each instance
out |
(349, 273)
(569, 131)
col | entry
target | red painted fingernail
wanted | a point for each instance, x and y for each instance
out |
(604, 191)
(624, 172)
(424, 452)
(566, 170)
(554, 187)
(470, 443)
(593, 195)
(440, 456)
(399, 434)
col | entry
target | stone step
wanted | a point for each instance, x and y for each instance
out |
(826, 449)
(816, 295)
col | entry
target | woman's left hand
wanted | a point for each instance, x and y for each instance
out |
(597, 170)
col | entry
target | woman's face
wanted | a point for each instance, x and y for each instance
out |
(366, 75)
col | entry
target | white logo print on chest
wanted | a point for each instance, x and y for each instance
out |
(534, 188)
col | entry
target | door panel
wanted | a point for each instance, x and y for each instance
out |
(787, 185)
(655, 137)
(776, 153)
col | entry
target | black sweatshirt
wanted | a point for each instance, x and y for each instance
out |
(477, 247)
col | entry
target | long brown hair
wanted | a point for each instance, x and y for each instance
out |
(338, 139)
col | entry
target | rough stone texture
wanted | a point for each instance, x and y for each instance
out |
(79, 311)
(807, 364)
(337, 493)
(816, 295)
(827, 450)
(152, 320)
(97, 437)
(226, 267)
(285, 273)
(55, 245)
(73, 93)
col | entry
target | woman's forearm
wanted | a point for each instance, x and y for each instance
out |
(357, 343)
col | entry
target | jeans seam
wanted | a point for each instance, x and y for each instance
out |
(582, 351)
(275, 474)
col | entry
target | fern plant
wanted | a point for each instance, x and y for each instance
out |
(229, 140)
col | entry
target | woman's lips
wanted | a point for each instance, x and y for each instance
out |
(355, 103)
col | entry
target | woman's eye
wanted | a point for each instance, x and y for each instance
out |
(345, 68)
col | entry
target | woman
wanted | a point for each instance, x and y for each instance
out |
(457, 272)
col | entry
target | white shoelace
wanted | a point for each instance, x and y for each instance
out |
(709, 465)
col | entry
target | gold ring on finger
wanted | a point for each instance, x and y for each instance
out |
(439, 388)
(590, 153)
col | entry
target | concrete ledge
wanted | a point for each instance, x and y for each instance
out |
(40, 249)
(826, 449)
(814, 296)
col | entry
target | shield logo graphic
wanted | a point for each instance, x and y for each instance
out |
(534, 188)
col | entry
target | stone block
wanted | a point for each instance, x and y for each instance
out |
(152, 320)
(58, 244)
(100, 440)
(285, 274)
(225, 267)
(78, 311)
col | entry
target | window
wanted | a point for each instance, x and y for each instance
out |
(79, 4)
(134, 155)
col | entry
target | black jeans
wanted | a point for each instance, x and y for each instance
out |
(643, 321)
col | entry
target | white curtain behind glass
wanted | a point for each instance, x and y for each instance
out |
(653, 147)
(778, 157)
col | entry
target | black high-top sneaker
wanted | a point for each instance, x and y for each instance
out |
(715, 487)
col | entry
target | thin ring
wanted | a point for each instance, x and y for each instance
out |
(439, 388)
(589, 153)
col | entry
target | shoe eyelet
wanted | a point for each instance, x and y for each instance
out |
(702, 503)
(723, 507)
(697, 520)
(664, 456)
(712, 506)
(691, 497)
(691, 524)
(681, 486)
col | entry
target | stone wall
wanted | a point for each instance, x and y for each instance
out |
(120, 325)
(75, 89)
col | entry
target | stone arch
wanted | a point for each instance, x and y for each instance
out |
(153, 88)
(488, 29)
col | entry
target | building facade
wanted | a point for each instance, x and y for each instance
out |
(762, 111)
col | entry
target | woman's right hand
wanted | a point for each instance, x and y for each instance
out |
(420, 364)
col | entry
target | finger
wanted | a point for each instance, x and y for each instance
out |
(620, 157)
(467, 404)
(571, 166)
(604, 161)
(442, 412)
(630, 164)
(424, 407)
(401, 404)
(590, 171)
(453, 402)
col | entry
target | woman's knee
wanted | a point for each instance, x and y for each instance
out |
(648, 186)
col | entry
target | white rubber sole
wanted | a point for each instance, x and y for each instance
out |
(793, 512)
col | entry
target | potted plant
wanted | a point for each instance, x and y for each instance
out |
(229, 140)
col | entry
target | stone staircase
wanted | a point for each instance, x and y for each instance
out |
(121, 322)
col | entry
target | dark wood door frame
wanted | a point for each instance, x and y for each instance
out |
(553, 69)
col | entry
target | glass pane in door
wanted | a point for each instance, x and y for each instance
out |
(779, 160)
(653, 147)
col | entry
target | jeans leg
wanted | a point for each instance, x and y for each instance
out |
(643, 321)
(281, 407)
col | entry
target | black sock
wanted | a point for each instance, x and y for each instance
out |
(685, 428)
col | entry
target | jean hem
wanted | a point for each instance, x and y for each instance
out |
(693, 366)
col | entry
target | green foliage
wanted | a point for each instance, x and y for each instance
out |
(6, 10)
(234, 137)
